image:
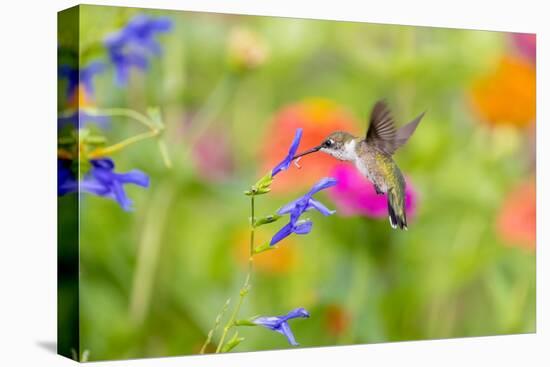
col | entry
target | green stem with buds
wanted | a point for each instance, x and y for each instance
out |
(215, 327)
(246, 286)
(252, 228)
(101, 152)
(152, 121)
(122, 112)
(259, 188)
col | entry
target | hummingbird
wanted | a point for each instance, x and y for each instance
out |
(372, 156)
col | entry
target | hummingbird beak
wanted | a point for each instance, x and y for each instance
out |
(312, 150)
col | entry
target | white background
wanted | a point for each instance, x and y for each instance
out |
(28, 182)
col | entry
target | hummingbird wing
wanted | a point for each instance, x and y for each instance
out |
(405, 132)
(382, 132)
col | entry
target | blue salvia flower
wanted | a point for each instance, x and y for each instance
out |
(83, 75)
(285, 163)
(298, 227)
(101, 180)
(306, 202)
(297, 207)
(66, 181)
(80, 118)
(280, 323)
(132, 45)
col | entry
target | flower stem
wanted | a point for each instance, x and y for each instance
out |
(252, 228)
(122, 112)
(246, 286)
(154, 125)
(100, 152)
(148, 252)
(164, 153)
(209, 110)
(234, 315)
(215, 327)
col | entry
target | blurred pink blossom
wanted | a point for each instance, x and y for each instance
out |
(212, 155)
(526, 44)
(517, 220)
(355, 195)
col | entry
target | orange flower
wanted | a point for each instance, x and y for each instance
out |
(337, 320)
(508, 95)
(516, 223)
(278, 261)
(318, 117)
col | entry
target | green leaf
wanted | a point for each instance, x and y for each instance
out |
(263, 248)
(245, 323)
(263, 191)
(262, 186)
(266, 220)
(256, 191)
(232, 343)
(95, 140)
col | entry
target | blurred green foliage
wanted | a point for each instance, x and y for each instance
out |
(153, 280)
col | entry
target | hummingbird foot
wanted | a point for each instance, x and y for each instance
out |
(378, 191)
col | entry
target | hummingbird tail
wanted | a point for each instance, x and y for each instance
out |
(396, 211)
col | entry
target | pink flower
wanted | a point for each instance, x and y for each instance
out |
(526, 44)
(355, 195)
(517, 220)
(213, 157)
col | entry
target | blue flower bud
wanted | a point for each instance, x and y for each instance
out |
(285, 163)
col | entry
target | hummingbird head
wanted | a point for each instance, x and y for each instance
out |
(339, 144)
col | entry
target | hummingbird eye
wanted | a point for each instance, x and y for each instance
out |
(328, 143)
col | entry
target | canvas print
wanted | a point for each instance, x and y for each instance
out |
(231, 183)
